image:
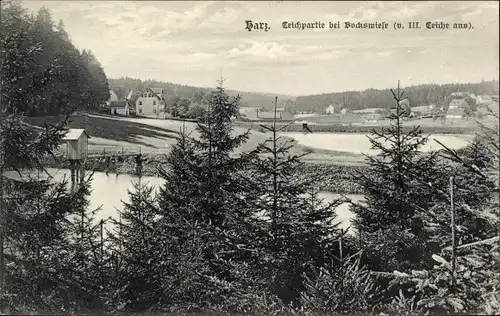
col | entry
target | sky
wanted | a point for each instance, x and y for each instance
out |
(192, 43)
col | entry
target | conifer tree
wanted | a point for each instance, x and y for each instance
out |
(84, 266)
(473, 194)
(202, 219)
(396, 193)
(136, 244)
(345, 288)
(294, 229)
(39, 240)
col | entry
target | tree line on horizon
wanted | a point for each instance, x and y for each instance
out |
(420, 95)
(426, 94)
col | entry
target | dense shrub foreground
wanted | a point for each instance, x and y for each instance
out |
(217, 240)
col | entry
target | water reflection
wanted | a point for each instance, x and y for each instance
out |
(108, 193)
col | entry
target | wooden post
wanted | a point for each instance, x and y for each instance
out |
(341, 242)
(77, 171)
(82, 171)
(122, 151)
(453, 242)
(72, 171)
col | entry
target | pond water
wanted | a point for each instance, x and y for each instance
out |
(110, 191)
(358, 143)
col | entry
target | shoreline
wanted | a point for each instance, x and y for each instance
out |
(335, 177)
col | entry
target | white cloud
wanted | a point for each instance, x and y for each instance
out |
(191, 41)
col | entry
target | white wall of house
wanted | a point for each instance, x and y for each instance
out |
(125, 111)
(148, 104)
(330, 109)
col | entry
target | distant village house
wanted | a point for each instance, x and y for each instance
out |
(330, 109)
(458, 103)
(120, 107)
(455, 112)
(151, 102)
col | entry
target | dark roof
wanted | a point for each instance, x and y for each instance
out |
(157, 90)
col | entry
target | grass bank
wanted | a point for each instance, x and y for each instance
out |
(334, 177)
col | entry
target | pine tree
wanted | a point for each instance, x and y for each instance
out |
(396, 192)
(203, 224)
(345, 288)
(84, 268)
(95, 84)
(293, 228)
(35, 274)
(473, 194)
(136, 244)
(40, 274)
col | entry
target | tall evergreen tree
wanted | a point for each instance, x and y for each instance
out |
(53, 76)
(34, 214)
(136, 243)
(202, 224)
(294, 229)
(396, 193)
(96, 87)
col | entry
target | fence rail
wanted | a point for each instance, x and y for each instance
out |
(115, 153)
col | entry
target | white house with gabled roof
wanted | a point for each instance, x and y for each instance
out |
(151, 102)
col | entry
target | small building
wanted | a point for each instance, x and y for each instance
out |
(77, 144)
(330, 109)
(151, 102)
(344, 111)
(455, 113)
(120, 107)
(458, 103)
